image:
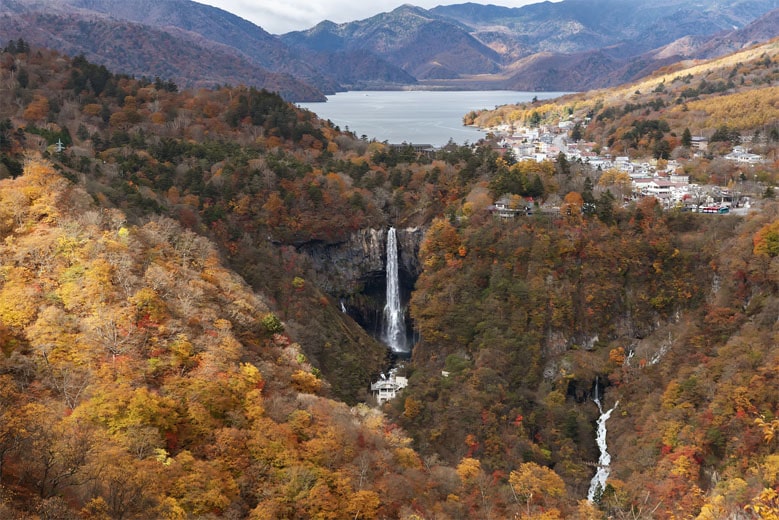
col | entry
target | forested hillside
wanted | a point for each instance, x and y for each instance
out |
(168, 351)
(142, 379)
(672, 315)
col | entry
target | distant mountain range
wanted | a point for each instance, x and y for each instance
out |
(568, 45)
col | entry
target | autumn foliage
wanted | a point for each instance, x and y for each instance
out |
(168, 351)
(140, 380)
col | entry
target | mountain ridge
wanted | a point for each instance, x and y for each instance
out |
(135, 48)
(568, 45)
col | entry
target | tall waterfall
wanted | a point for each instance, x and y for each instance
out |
(394, 320)
(598, 482)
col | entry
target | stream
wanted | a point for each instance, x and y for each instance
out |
(604, 461)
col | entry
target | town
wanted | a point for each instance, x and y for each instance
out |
(633, 178)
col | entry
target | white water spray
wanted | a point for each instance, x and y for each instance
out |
(394, 320)
(604, 461)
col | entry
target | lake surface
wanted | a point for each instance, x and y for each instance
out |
(415, 116)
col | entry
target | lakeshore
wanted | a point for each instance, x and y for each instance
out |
(430, 117)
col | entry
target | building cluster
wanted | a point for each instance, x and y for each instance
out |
(662, 180)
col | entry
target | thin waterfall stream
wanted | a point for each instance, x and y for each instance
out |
(394, 318)
(598, 482)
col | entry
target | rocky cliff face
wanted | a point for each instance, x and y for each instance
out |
(409, 240)
(344, 269)
(354, 271)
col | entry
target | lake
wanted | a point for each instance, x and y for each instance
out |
(415, 116)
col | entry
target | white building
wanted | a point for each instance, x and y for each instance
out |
(741, 155)
(503, 208)
(387, 388)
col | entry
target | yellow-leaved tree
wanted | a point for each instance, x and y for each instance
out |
(534, 484)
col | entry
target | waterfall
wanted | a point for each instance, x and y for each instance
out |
(343, 307)
(394, 320)
(604, 461)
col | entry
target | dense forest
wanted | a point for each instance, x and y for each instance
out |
(168, 350)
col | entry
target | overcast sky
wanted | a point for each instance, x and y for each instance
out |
(281, 16)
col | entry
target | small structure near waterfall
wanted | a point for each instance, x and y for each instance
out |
(387, 388)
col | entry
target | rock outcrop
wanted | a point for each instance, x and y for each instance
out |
(345, 269)
(354, 272)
